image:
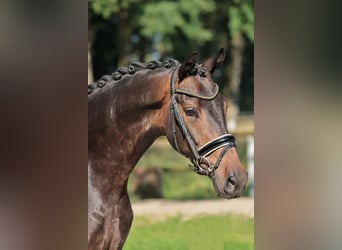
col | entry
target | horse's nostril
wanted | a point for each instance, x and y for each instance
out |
(230, 185)
(232, 180)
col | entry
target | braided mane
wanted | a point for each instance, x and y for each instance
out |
(130, 70)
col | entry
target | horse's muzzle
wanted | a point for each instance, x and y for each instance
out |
(234, 185)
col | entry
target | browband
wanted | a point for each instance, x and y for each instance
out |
(203, 97)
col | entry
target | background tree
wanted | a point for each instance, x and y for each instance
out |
(241, 28)
(124, 30)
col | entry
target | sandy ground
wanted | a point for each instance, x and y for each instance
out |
(188, 209)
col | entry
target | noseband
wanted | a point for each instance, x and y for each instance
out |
(200, 154)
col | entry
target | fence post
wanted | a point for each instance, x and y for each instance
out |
(250, 162)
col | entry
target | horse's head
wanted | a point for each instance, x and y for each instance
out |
(197, 126)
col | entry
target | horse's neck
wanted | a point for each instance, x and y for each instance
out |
(133, 117)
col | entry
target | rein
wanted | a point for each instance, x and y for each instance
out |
(200, 154)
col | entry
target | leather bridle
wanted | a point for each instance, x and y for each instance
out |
(200, 154)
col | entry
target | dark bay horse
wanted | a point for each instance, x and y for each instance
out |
(128, 110)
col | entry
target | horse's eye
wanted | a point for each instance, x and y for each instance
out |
(190, 112)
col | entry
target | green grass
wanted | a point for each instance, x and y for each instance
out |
(226, 232)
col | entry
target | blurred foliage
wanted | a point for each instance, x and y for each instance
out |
(107, 8)
(124, 30)
(181, 185)
(166, 16)
(241, 16)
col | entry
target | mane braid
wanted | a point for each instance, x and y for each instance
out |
(130, 70)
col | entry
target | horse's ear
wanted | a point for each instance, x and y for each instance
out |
(214, 63)
(187, 66)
